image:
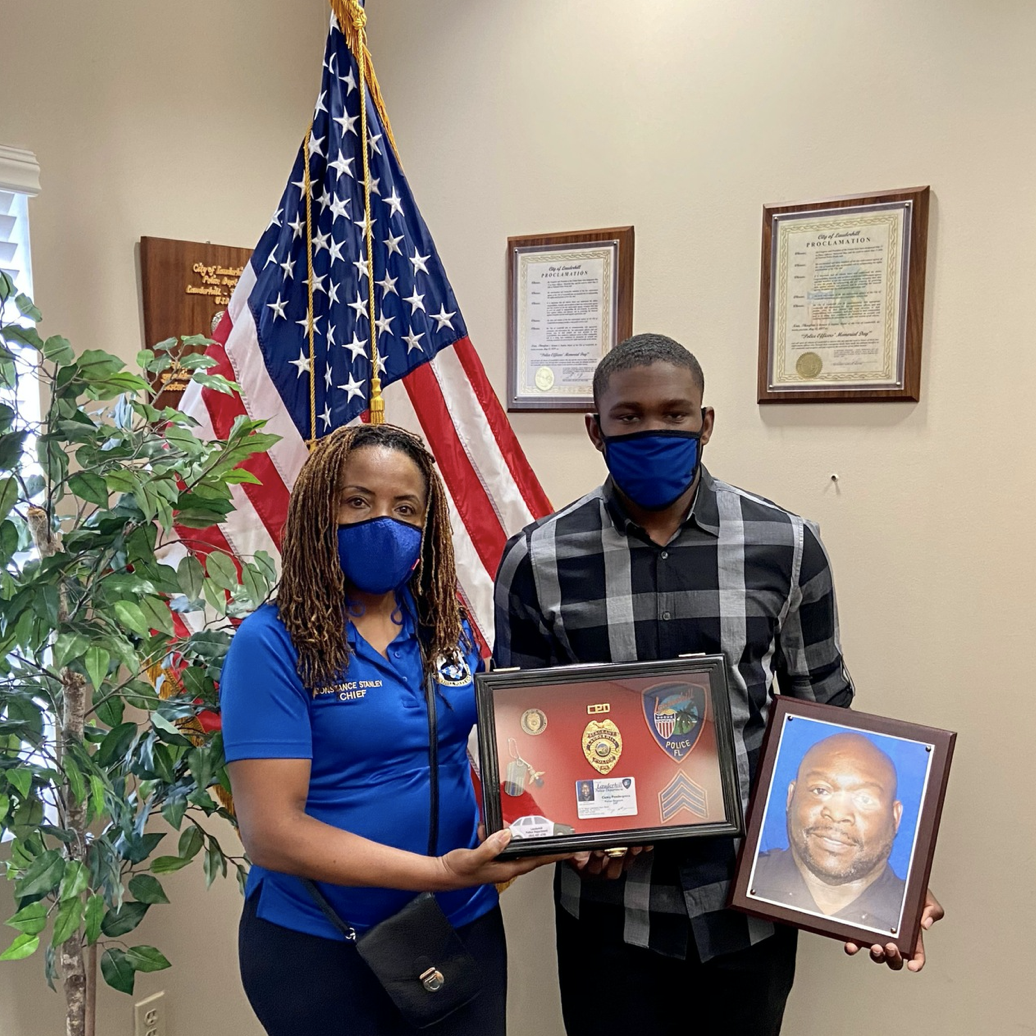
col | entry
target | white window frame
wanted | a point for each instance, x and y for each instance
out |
(20, 181)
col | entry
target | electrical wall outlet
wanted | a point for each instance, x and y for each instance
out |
(149, 1016)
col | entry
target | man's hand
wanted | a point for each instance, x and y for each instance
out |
(600, 864)
(890, 955)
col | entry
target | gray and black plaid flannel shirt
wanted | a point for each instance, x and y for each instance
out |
(741, 576)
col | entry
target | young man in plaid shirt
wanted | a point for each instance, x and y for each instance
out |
(664, 560)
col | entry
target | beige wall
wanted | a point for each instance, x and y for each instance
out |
(682, 118)
(169, 120)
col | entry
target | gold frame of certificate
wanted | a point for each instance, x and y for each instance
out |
(842, 823)
(569, 300)
(841, 299)
(607, 756)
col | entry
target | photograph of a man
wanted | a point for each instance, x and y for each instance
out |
(842, 813)
(586, 791)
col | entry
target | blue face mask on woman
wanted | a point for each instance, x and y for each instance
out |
(379, 554)
(654, 469)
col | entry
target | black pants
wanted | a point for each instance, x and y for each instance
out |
(303, 985)
(634, 990)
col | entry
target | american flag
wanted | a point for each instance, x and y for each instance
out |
(433, 380)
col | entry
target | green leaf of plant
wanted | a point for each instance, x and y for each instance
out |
(90, 487)
(26, 307)
(147, 889)
(214, 863)
(43, 875)
(167, 731)
(22, 947)
(27, 817)
(96, 661)
(11, 450)
(110, 712)
(217, 382)
(92, 917)
(157, 614)
(31, 919)
(124, 919)
(129, 614)
(74, 776)
(66, 924)
(191, 576)
(215, 597)
(174, 811)
(239, 475)
(74, 882)
(8, 496)
(5, 805)
(117, 971)
(168, 864)
(68, 647)
(146, 958)
(221, 570)
(116, 743)
(21, 779)
(97, 795)
(190, 843)
(58, 350)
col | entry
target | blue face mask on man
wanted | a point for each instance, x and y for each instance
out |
(653, 468)
(379, 554)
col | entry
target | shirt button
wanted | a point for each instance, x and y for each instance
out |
(398, 654)
(664, 554)
(666, 615)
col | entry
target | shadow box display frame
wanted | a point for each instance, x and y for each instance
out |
(607, 756)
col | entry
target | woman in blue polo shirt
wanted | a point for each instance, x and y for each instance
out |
(326, 731)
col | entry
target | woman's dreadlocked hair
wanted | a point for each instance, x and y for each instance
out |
(311, 596)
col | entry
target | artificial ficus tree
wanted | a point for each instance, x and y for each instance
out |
(110, 774)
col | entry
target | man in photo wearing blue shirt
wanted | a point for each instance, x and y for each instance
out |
(663, 560)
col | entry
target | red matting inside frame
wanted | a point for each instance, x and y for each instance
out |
(676, 778)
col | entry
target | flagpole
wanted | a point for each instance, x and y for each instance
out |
(353, 15)
(311, 442)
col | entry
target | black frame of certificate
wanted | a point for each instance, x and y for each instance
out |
(924, 810)
(582, 681)
(911, 301)
(622, 305)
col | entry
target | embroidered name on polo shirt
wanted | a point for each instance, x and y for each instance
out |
(349, 690)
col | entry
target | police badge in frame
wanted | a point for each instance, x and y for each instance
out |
(608, 756)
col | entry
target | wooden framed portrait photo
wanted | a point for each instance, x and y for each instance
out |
(843, 822)
(607, 756)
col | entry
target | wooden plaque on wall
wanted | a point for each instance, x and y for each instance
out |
(186, 287)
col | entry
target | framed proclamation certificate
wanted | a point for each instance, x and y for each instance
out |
(841, 304)
(607, 756)
(570, 300)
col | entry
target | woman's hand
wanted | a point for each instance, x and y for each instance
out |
(463, 868)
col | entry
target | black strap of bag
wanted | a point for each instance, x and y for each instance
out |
(416, 954)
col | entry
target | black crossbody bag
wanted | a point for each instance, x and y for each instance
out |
(416, 953)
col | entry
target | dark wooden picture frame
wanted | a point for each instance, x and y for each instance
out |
(666, 724)
(911, 303)
(622, 324)
(833, 829)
